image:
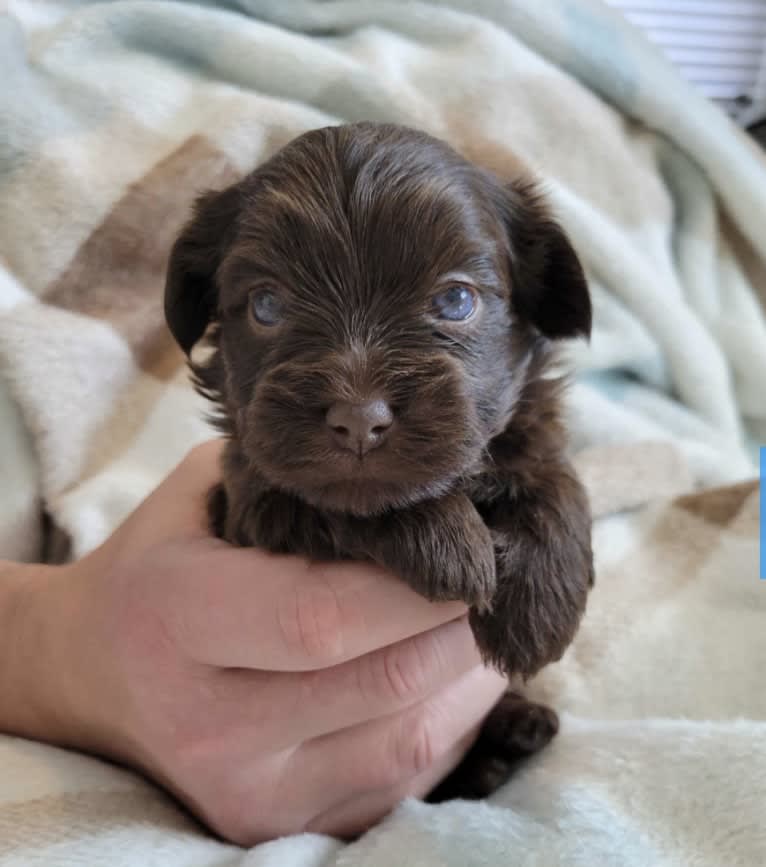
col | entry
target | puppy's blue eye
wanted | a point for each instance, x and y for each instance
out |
(266, 306)
(455, 303)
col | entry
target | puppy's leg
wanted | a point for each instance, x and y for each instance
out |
(279, 522)
(515, 729)
(441, 548)
(542, 538)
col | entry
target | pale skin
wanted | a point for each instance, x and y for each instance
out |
(271, 695)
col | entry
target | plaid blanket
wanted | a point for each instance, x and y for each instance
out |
(114, 115)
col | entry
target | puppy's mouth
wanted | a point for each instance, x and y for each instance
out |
(363, 485)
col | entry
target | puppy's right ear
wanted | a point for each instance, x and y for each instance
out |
(191, 291)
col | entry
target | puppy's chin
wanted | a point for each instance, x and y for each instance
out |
(385, 480)
(366, 498)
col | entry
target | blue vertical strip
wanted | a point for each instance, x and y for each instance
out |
(763, 513)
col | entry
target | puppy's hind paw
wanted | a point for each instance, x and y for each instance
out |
(514, 730)
(517, 727)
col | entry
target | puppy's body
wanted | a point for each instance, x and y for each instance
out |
(383, 315)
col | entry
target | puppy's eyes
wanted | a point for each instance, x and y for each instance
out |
(455, 303)
(266, 306)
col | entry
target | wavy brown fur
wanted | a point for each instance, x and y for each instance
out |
(470, 496)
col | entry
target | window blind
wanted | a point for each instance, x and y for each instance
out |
(718, 45)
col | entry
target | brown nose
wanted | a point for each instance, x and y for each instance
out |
(359, 427)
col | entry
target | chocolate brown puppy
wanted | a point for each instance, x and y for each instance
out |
(382, 316)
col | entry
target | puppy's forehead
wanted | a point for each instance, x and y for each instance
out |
(354, 213)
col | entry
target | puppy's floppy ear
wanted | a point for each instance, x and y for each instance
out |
(549, 288)
(191, 292)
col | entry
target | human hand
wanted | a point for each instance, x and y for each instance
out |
(269, 694)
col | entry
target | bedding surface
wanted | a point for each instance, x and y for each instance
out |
(114, 115)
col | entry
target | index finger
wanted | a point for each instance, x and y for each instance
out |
(238, 607)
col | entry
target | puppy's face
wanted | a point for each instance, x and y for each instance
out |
(376, 298)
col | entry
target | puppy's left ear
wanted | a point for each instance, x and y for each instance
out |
(548, 288)
(191, 289)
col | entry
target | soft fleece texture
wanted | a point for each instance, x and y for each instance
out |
(113, 115)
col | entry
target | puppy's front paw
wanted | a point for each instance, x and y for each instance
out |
(542, 590)
(463, 565)
(280, 523)
(451, 557)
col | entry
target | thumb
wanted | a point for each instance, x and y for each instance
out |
(178, 507)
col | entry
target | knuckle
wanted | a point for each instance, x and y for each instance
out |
(311, 623)
(402, 670)
(416, 746)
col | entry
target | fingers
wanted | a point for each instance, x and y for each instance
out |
(380, 683)
(236, 607)
(386, 753)
(356, 815)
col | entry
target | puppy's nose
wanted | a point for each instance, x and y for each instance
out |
(359, 427)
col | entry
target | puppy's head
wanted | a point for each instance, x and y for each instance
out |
(375, 298)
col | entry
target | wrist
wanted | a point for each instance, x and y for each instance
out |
(40, 617)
